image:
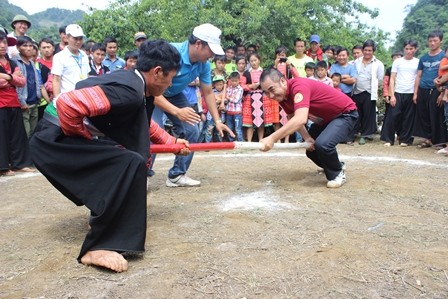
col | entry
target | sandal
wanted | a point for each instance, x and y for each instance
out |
(8, 172)
(424, 144)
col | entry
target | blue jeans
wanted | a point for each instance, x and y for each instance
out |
(181, 130)
(235, 123)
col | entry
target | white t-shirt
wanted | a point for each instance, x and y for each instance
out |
(71, 68)
(406, 73)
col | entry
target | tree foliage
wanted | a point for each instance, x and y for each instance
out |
(269, 23)
(424, 17)
(44, 24)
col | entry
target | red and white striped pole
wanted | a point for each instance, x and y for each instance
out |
(215, 146)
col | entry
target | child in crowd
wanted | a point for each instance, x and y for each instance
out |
(130, 57)
(220, 66)
(336, 78)
(310, 67)
(321, 73)
(98, 52)
(241, 64)
(230, 60)
(234, 97)
(220, 92)
(257, 108)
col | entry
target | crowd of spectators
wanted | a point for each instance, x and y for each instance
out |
(33, 74)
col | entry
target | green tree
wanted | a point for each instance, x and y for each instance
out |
(424, 17)
(269, 23)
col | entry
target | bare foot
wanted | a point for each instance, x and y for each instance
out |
(105, 258)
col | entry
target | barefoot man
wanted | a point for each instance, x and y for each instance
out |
(333, 115)
(93, 146)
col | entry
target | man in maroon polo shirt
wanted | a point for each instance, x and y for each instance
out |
(333, 115)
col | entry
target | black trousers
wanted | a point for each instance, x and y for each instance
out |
(102, 175)
(14, 150)
(399, 119)
(366, 123)
(429, 118)
(327, 138)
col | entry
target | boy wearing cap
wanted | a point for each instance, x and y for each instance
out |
(220, 91)
(195, 53)
(315, 52)
(71, 65)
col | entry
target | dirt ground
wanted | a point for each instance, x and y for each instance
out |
(263, 225)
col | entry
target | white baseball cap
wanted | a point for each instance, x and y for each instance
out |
(210, 34)
(74, 30)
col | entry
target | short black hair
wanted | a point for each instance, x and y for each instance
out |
(322, 64)
(369, 43)
(98, 46)
(411, 42)
(234, 75)
(271, 73)
(219, 58)
(46, 40)
(331, 48)
(358, 47)
(252, 46)
(342, 49)
(109, 39)
(239, 57)
(130, 54)
(153, 53)
(21, 40)
(310, 65)
(241, 46)
(2, 35)
(298, 39)
(338, 75)
(436, 33)
(281, 49)
(62, 29)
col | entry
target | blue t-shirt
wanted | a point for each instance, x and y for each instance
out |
(188, 72)
(429, 65)
(117, 64)
(349, 69)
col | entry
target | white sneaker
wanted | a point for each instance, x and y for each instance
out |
(443, 151)
(338, 181)
(182, 181)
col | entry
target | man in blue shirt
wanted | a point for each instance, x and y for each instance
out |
(429, 115)
(112, 61)
(195, 53)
